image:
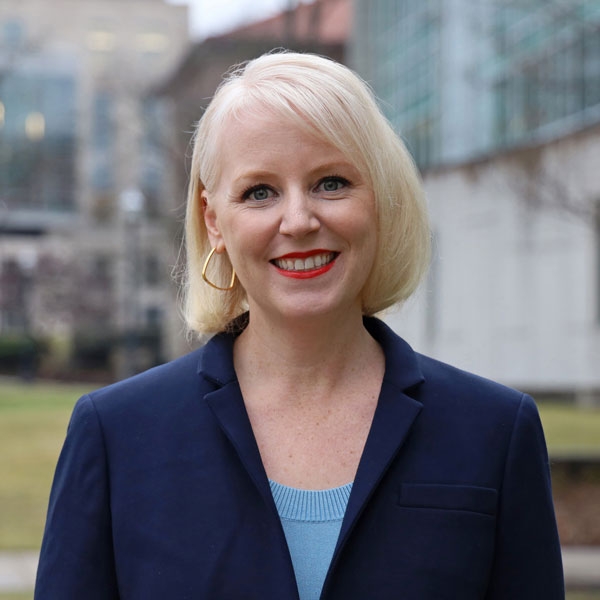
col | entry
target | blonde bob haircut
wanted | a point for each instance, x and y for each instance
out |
(338, 107)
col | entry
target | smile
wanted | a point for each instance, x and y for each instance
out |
(304, 265)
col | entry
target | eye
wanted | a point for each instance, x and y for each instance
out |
(258, 193)
(332, 184)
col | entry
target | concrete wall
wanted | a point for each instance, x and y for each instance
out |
(513, 292)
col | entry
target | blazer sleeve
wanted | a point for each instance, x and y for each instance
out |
(527, 560)
(76, 559)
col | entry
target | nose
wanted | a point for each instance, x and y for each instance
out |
(298, 216)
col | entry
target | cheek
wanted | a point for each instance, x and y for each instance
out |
(241, 239)
(365, 228)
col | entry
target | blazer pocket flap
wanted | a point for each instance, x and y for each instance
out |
(448, 497)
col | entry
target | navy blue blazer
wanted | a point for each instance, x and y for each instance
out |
(160, 492)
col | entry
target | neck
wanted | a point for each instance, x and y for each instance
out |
(316, 352)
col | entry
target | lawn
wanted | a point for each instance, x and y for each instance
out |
(33, 422)
(570, 429)
(34, 418)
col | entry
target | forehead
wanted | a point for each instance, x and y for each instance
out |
(260, 120)
(264, 122)
(246, 124)
(256, 137)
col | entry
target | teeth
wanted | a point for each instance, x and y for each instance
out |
(306, 264)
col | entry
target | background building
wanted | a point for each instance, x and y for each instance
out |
(513, 292)
(96, 117)
(500, 104)
(460, 79)
(82, 174)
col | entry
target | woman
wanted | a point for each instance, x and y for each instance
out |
(305, 451)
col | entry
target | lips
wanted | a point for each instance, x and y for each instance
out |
(299, 263)
(302, 265)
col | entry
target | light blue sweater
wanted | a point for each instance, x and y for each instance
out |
(311, 522)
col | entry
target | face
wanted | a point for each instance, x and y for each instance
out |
(296, 218)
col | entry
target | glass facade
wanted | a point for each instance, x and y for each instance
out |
(37, 140)
(547, 65)
(460, 78)
(397, 50)
(152, 157)
(103, 141)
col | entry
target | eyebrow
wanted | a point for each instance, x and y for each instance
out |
(258, 174)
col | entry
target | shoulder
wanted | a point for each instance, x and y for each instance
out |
(473, 412)
(445, 389)
(175, 374)
(442, 377)
(139, 416)
(172, 386)
(412, 369)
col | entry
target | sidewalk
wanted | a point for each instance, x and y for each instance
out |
(17, 571)
(582, 568)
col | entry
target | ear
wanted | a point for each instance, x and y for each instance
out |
(210, 221)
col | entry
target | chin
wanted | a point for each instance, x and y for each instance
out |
(315, 309)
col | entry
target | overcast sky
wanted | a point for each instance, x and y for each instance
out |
(211, 17)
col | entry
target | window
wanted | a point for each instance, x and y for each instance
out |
(152, 160)
(103, 140)
(152, 42)
(13, 34)
(152, 270)
(591, 51)
(38, 141)
(102, 127)
(101, 41)
(104, 207)
(549, 65)
(154, 317)
(102, 269)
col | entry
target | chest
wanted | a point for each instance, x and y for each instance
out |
(313, 443)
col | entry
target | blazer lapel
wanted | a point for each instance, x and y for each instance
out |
(394, 416)
(227, 405)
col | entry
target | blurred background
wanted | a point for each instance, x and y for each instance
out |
(497, 100)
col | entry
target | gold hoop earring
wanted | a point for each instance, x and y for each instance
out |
(223, 289)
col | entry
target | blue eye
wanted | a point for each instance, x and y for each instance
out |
(333, 184)
(258, 193)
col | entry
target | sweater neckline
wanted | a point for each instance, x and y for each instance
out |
(310, 505)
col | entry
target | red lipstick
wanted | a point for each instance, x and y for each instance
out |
(307, 273)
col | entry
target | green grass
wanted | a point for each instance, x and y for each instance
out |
(568, 428)
(33, 422)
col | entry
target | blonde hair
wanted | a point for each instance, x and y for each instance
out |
(339, 107)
